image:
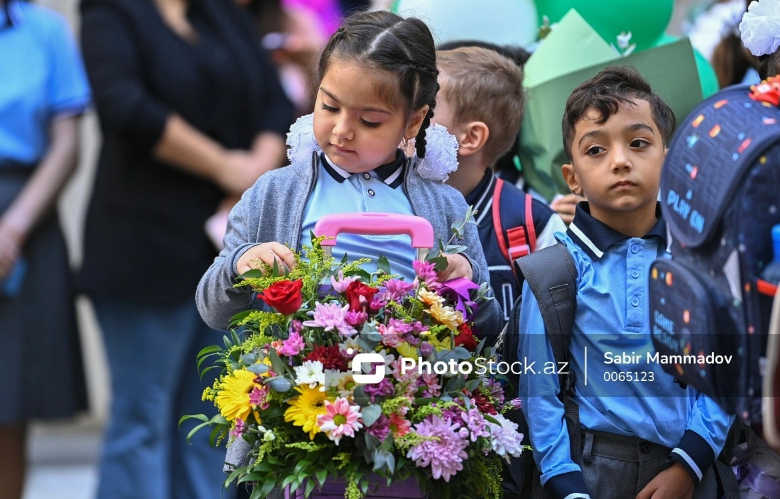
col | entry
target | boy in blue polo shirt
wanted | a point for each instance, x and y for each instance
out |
(646, 437)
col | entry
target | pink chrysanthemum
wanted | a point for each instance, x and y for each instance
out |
(396, 289)
(476, 424)
(342, 283)
(444, 453)
(331, 316)
(292, 345)
(390, 336)
(340, 419)
(356, 319)
(426, 274)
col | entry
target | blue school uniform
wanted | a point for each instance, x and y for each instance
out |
(612, 318)
(42, 76)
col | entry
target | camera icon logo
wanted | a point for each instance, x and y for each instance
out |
(368, 359)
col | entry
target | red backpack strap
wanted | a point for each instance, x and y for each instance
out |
(529, 222)
(499, 230)
(517, 243)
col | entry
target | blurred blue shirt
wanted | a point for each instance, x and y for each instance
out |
(41, 76)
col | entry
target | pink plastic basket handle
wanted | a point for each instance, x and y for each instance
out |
(375, 224)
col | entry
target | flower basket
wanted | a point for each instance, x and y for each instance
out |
(378, 489)
(321, 384)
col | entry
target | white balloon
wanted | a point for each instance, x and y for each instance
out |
(503, 22)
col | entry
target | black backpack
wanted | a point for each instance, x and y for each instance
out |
(720, 195)
(552, 277)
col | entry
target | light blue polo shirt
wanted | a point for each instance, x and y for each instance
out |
(41, 76)
(611, 316)
(378, 191)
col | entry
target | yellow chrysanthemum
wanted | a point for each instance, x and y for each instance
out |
(429, 297)
(305, 408)
(446, 315)
(233, 397)
(439, 345)
(407, 350)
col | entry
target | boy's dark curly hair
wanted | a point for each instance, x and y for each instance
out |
(605, 92)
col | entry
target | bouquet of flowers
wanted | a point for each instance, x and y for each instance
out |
(365, 377)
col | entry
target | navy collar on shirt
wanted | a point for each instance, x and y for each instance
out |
(391, 173)
(594, 237)
(479, 197)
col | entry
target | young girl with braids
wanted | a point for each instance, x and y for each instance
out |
(377, 89)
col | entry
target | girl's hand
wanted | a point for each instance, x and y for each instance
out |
(10, 248)
(266, 253)
(458, 266)
(672, 483)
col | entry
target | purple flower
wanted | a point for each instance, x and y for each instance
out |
(516, 404)
(396, 289)
(331, 316)
(476, 424)
(380, 429)
(418, 327)
(382, 389)
(377, 304)
(292, 345)
(426, 274)
(426, 349)
(452, 413)
(415, 342)
(296, 326)
(444, 453)
(342, 283)
(400, 326)
(355, 319)
(238, 429)
(496, 390)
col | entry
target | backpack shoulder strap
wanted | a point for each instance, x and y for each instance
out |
(552, 277)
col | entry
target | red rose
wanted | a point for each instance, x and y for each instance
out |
(359, 294)
(466, 338)
(284, 296)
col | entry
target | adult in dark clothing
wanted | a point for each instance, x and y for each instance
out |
(191, 112)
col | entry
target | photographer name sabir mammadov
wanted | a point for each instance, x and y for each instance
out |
(658, 358)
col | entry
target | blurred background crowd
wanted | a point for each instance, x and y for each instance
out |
(128, 128)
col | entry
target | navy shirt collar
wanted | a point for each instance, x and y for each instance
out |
(595, 237)
(391, 173)
(479, 197)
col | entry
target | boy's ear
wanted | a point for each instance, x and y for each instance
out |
(415, 122)
(472, 137)
(570, 176)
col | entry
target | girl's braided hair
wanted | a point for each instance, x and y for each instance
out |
(405, 52)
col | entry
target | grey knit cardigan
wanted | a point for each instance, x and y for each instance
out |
(272, 210)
